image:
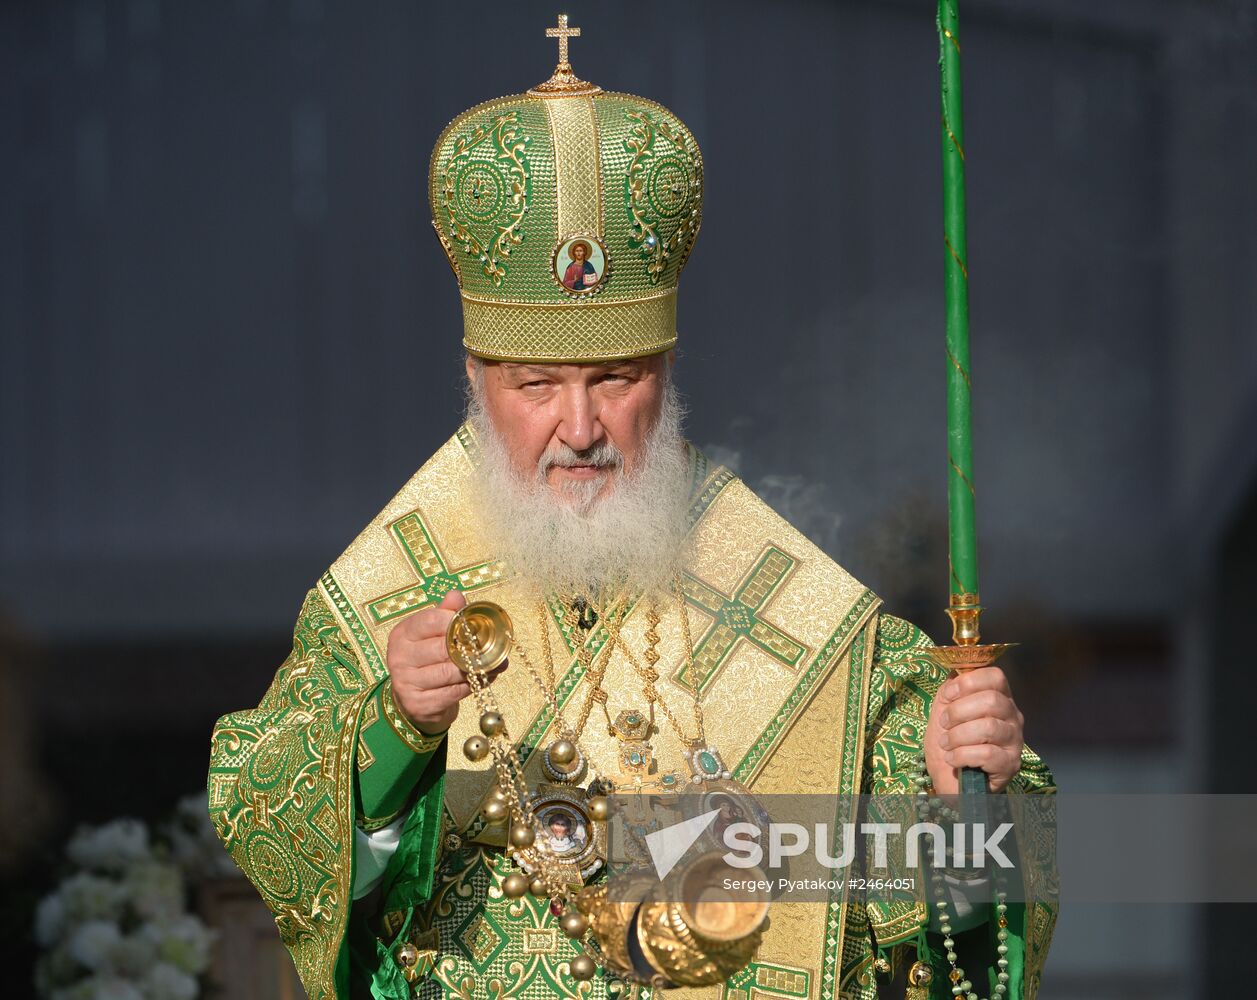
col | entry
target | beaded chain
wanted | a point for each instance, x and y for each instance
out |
(961, 986)
(650, 673)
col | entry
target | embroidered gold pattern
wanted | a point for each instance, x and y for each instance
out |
(480, 191)
(417, 741)
(365, 757)
(595, 330)
(661, 186)
(785, 727)
(577, 165)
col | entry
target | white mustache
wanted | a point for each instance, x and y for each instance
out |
(603, 455)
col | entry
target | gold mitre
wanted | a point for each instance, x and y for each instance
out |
(567, 214)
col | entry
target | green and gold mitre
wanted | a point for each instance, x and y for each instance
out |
(567, 213)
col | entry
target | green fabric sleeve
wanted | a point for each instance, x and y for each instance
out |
(392, 755)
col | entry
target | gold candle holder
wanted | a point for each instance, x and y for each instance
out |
(968, 652)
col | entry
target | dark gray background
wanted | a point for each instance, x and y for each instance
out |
(229, 335)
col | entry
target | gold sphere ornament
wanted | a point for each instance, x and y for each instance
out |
(599, 808)
(583, 968)
(476, 748)
(494, 810)
(514, 885)
(491, 723)
(538, 887)
(522, 835)
(499, 794)
(574, 924)
(562, 752)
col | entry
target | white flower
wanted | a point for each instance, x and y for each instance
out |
(123, 881)
(183, 942)
(92, 944)
(90, 897)
(155, 889)
(111, 847)
(165, 982)
(50, 919)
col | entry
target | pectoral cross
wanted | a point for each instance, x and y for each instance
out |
(563, 33)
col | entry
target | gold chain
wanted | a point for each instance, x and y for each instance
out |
(584, 656)
(650, 673)
(689, 658)
(549, 687)
(595, 669)
(596, 665)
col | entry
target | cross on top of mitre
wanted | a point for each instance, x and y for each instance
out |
(562, 32)
(564, 81)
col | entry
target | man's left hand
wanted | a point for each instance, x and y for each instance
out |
(974, 722)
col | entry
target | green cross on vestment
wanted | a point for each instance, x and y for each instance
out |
(435, 578)
(738, 617)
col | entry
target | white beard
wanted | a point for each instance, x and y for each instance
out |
(574, 541)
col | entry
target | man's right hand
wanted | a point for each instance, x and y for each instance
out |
(426, 685)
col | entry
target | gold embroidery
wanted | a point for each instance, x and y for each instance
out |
(577, 166)
(284, 807)
(365, 757)
(540, 941)
(412, 737)
(661, 186)
(479, 192)
(370, 824)
(596, 330)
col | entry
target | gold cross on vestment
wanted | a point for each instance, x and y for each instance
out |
(562, 33)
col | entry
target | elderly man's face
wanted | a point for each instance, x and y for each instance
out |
(541, 408)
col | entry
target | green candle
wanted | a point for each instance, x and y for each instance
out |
(963, 546)
(963, 543)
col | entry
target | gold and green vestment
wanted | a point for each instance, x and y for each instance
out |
(805, 685)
